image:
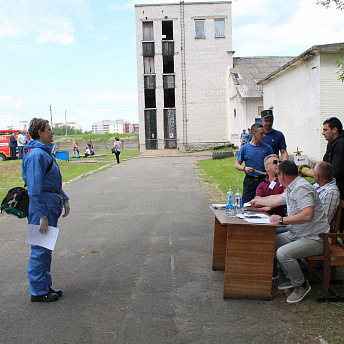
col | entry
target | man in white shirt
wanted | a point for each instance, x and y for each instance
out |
(21, 144)
(326, 186)
(306, 219)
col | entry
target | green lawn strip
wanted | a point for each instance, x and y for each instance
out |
(222, 173)
(94, 137)
(10, 171)
(325, 319)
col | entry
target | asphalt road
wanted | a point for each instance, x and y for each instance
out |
(149, 278)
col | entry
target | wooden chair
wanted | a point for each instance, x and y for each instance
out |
(332, 257)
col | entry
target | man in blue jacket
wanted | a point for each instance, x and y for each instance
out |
(42, 175)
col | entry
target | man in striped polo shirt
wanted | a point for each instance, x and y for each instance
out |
(306, 219)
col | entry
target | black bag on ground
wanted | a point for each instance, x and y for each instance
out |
(16, 202)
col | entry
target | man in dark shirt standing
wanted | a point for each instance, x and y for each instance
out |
(273, 137)
(13, 147)
(332, 131)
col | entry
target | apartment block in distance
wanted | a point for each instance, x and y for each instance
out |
(184, 54)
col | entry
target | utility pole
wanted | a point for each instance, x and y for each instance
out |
(51, 117)
(184, 101)
(66, 121)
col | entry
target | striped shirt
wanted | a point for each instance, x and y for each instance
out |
(298, 195)
(329, 196)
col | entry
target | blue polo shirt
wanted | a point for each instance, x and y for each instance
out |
(275, 139)
(253, 156)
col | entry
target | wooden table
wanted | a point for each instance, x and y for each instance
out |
(246, 252)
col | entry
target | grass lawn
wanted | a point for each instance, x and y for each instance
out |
(93, 137)
(10, 171)
(222, 173)
(325, 319)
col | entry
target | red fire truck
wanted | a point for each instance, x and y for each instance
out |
(5, 139)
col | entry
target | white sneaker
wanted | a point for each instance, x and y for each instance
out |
(298, 294)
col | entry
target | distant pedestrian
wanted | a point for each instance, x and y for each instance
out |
(117, 146)
(243, 137)
(75, 148)
(13, 147)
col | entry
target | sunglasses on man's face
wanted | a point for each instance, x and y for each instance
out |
(275, 162)
(276, 175)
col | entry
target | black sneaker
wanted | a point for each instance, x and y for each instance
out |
(49, 297)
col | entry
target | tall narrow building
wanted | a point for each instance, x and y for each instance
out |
(184, 55)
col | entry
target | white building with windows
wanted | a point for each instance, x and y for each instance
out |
(21, 125)
(184, 55)
(109, 126)
(246, 96)
(304, 93)
(73, 125)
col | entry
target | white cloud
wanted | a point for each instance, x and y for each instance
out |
(56, 38)
(49, 21)
(309, 25)
(9, 28)
(5, 99)
(19, 104)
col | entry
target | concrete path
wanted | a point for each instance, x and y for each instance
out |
(134, 261)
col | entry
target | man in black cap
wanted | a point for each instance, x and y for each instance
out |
(273, 137)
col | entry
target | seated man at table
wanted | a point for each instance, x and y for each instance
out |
(271, 185)
(327, 188)
(306, 219)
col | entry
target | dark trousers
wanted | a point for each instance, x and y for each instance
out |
(117, 156)
(21, 152)
(13, 152)
(250, 186)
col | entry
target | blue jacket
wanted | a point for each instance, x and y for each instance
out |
(34, 167)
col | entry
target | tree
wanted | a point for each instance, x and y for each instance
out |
(339, 6)
(61, 130)
(340, 72)
(327, 3)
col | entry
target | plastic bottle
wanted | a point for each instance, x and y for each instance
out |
(230, 203)
(238, 202)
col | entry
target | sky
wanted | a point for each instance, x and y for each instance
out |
(79, 56)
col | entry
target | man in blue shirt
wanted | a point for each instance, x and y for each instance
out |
(244, 137)
(253, 153)
(273, 137)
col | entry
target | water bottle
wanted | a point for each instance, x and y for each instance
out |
(230, 203)
(238, 202)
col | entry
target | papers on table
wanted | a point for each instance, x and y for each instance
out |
(252, 217)
(48, 240)
(219, 206)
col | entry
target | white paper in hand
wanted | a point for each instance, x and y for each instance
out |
(47, 240)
